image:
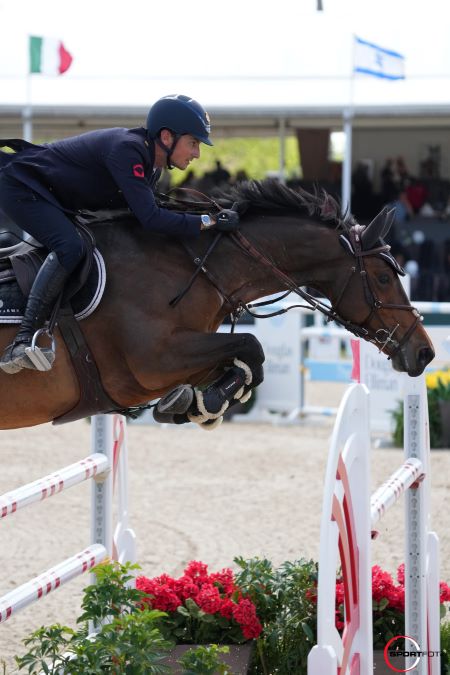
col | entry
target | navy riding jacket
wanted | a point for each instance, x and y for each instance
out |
(109, 168)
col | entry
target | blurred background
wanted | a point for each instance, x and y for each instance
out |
(280, 83)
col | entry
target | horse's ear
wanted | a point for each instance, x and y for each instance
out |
(373, 232)
(390, 217)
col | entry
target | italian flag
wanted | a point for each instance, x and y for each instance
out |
(48, 56)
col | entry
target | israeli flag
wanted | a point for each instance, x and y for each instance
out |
(377, 61)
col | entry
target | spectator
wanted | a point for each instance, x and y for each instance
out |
(403, 209)
(427, 281)
(240, 176)
(362, 192)
(402, 176)
(389, 187)
(400, 252)
(416, 194)
(220, 176)
(443, 284)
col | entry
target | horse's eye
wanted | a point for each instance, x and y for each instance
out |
(384, 278)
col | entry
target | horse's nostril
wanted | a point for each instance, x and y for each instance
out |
(425, 355)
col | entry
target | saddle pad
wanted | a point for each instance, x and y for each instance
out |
(84, 302)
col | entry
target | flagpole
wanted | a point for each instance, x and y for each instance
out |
(27, 113)
(348, 114)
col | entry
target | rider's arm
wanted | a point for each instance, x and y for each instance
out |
(128, 167)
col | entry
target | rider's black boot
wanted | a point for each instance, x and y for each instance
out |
(47, 286)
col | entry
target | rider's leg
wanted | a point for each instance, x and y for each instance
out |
(46, 288)
(52, 228)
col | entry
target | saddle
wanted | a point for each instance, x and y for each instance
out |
(20, 260)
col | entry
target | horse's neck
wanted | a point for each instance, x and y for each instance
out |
(307, 252)
(304, 250)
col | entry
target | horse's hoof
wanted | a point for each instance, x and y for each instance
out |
(169, 418)
(177, 401)
(210, 425)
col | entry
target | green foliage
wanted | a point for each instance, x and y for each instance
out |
(255, 156)
(112, 595)
(445, 648)
(286, 610)
(204, 660)
(48, 644)
(386, 623)
(434, 415)
(191, 625)
(438, 393)
(129, 643)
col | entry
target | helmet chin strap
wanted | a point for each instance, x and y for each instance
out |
(168, 151)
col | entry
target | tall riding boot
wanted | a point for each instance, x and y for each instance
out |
(47, 286)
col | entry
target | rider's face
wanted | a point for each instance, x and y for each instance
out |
(187, 149)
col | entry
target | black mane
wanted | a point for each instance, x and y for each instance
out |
(269, 195)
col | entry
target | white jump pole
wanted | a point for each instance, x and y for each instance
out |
(53, 578)
(107, 462)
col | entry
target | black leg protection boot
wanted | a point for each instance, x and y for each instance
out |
(223, 390)
(45, 290)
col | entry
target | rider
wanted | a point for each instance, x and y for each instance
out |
(42, 187)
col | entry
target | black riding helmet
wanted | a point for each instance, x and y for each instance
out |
(181, 115)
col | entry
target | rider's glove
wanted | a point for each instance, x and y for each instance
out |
(227, 220)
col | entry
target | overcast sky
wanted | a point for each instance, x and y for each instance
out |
(165, 44)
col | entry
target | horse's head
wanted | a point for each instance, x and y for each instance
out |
(349, 263)
(373, 302)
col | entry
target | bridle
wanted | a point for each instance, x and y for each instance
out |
(383, 337)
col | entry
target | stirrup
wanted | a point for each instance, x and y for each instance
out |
(35, 353)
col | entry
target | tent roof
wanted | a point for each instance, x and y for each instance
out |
(227, 120)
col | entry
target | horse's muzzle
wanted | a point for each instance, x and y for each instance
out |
(415, 366)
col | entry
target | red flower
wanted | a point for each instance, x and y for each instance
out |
(163, 598)
(214, 593)
(165, 580)
(252, 631)
(226, 608)
(185, 587)
(401, 574)
(225, 580)
(144, 584)
(245, 615)
(311, 593)
(197, 570)
(338, 620)
(208, 599)
(444, 592)
(340, 595)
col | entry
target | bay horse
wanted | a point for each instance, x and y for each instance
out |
(144, 345)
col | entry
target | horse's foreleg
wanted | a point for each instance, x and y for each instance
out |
(240, 356)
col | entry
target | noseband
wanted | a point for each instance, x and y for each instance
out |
(383, 337)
